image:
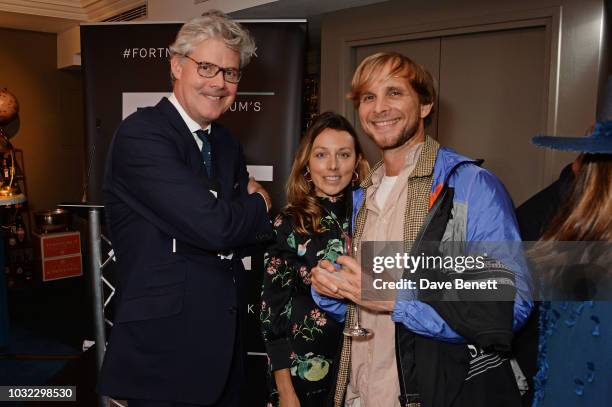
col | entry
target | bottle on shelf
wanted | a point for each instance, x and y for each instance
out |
(12, 235)
(9, 167)
(5, 172)
(20, 230)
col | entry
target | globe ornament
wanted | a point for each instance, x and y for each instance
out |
(9, 107)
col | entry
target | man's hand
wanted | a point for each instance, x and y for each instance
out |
(350, 275)
(324, 282)
(254, 187)
(344, 282)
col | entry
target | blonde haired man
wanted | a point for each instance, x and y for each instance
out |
(423, 353)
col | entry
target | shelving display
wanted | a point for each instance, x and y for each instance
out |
(15, 220)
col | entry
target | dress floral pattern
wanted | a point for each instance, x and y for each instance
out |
(298, 335)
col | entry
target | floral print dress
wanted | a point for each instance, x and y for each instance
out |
(298, 335)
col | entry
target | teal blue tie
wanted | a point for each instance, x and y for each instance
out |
(206, 150)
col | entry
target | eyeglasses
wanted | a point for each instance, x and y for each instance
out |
(210, 70)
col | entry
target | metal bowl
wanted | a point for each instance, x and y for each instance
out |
(53, 220)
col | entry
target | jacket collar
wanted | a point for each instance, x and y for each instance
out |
(423, 168)
(174, 117)
(192, 125)
(184, 135)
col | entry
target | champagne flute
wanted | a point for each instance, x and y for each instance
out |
(355, 329)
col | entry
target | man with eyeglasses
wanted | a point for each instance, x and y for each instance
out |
(179, 203)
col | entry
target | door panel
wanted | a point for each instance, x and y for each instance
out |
(492, 90)
(493, 100)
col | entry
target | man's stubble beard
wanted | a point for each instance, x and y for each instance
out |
(405, 137)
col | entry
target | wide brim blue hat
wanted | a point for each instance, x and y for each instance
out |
(598, 142)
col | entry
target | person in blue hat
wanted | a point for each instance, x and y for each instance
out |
(574, 338)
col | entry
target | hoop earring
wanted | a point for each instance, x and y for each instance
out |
(307, 175)
(355, 177)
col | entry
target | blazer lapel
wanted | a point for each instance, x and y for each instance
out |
(184, 138)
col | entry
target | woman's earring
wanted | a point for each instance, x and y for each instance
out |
(307, 175)
(355, 177)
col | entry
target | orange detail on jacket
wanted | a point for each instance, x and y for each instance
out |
(434, 195)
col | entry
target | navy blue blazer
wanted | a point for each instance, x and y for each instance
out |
(177, 301)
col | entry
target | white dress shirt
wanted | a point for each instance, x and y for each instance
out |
(191, 124)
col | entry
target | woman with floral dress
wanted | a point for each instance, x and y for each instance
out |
(301, 340)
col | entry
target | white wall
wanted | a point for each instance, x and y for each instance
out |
(69, 48)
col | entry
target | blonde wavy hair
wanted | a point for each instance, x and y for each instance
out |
(398, 65)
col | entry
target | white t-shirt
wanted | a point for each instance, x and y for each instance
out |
(385, 187)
